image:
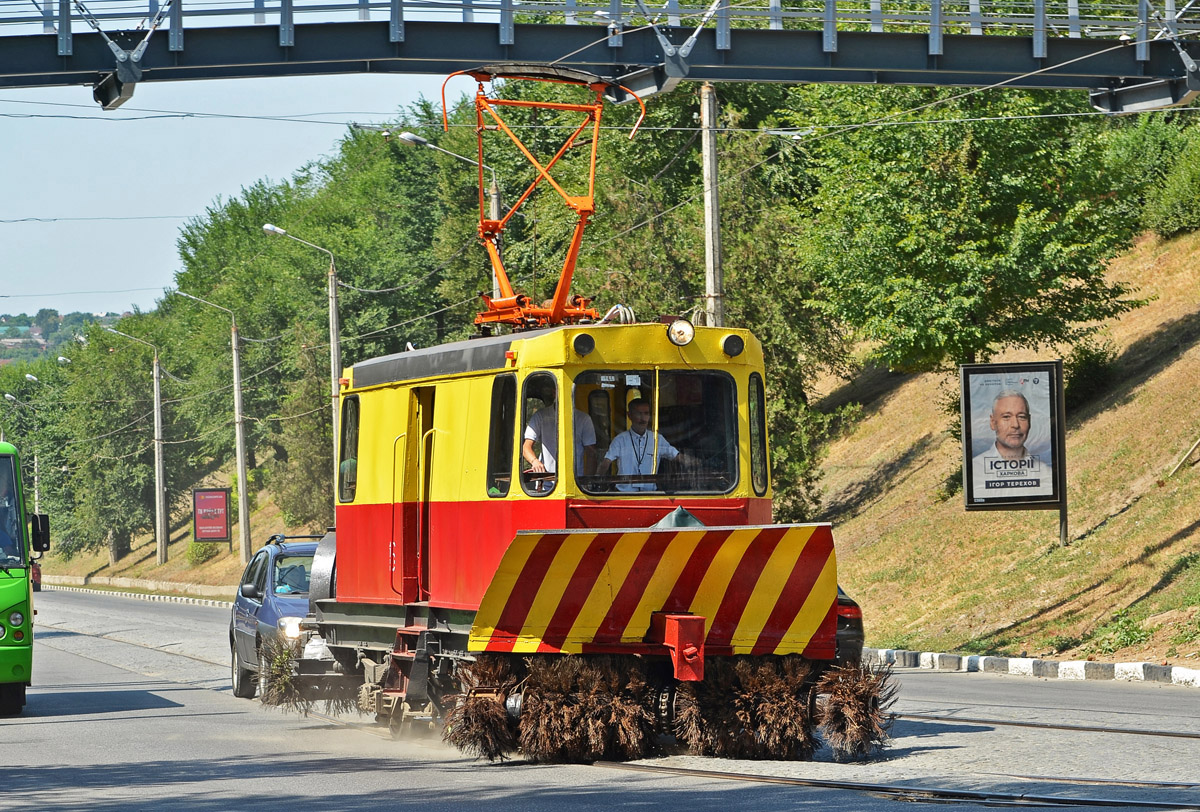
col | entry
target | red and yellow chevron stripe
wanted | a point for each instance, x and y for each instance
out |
(762, 590)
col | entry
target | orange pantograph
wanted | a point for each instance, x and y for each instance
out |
(511, 307)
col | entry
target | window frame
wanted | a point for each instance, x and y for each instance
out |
(348, 489)
(760, 459)
(530, 486)
(500, 432)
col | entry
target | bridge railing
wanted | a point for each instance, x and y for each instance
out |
(1137, 20)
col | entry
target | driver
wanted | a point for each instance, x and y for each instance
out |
(633, 450)
(9, 517)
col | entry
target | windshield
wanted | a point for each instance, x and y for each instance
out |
(12, 551)
(292, 573)
(660, 431)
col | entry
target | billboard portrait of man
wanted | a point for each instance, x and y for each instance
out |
(1011, 435)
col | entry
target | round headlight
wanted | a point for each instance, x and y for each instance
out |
(16, 619)
(289, 627)
(3, 631)
(584, 343)
(681, 332)
(733, 346)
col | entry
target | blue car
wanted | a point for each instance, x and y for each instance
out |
(271, 600)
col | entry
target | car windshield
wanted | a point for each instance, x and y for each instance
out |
(292, 573)
(665, 431)
(12, 552)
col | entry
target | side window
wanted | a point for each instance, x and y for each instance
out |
(539, 438)
(758, 435)
(500, 443)
(348, 470)
(260, 575)
(256, 570)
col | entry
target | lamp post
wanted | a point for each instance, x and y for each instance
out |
(414, 140)
(36, 492)
(335, 350)
(160, 493)
(239, 431)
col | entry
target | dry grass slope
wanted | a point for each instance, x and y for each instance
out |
(932, 576)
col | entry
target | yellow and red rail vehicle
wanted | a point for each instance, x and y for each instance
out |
(572, 518)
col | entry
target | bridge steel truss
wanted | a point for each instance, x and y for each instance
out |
(1130, 57)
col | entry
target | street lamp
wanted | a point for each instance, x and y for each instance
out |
(239, 430)
(414, 140)
(160, 493)
(335, 349)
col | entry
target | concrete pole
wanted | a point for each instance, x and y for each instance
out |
(239, 431)
(160, 486)
(335, 360)
(713, 285)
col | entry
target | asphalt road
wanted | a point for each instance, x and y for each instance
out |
(131, 710)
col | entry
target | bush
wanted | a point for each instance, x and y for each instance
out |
(1089, 369)
(199, 552)
(1174, 206)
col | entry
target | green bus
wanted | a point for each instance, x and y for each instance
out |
(21, 536)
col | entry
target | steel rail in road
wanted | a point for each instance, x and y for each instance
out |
(907, 792)
(1137, 53)
(1169, 734)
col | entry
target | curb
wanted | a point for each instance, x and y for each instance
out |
(1032, 667)
(140, 596)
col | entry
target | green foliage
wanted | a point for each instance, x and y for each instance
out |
(200, 551)
(1089, 369)
(1173, 207)
(1119, 633)
(944, 243)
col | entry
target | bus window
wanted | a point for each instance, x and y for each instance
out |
(758, 435)
(348, 470)
(12, 551)
(500, 443)
(539, 443)
(674, 431)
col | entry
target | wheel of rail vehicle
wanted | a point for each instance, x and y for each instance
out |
(243, 679)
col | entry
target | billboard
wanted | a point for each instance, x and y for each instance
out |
(210, 514)
(1013, 435)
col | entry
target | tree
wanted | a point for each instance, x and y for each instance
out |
(945, 242)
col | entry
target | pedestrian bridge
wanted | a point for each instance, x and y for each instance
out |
(1131, 56)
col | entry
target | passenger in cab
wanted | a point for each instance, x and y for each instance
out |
(543, 429)
(634, 450)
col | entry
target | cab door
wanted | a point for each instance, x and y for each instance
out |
(413, 451)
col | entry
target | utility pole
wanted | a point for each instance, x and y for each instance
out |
(160, 479)
(714, 289)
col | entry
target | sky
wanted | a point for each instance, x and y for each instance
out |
(74, 162)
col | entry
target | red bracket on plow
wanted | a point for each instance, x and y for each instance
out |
(511, 307)
(683, 636)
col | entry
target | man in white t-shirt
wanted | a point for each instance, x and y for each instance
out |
(634, 450)
(543, 428)
(1006, 468)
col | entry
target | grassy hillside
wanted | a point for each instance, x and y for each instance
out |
(932, 576)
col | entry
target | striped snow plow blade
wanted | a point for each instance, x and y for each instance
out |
(761, 590)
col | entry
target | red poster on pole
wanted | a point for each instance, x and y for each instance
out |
(210, 514)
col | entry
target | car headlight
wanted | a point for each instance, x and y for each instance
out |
(16, 619)
(289, 627)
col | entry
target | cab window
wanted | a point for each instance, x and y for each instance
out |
(500, 440)
(664, 431)
(348, 470)
(540, 448)
(758, 435)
